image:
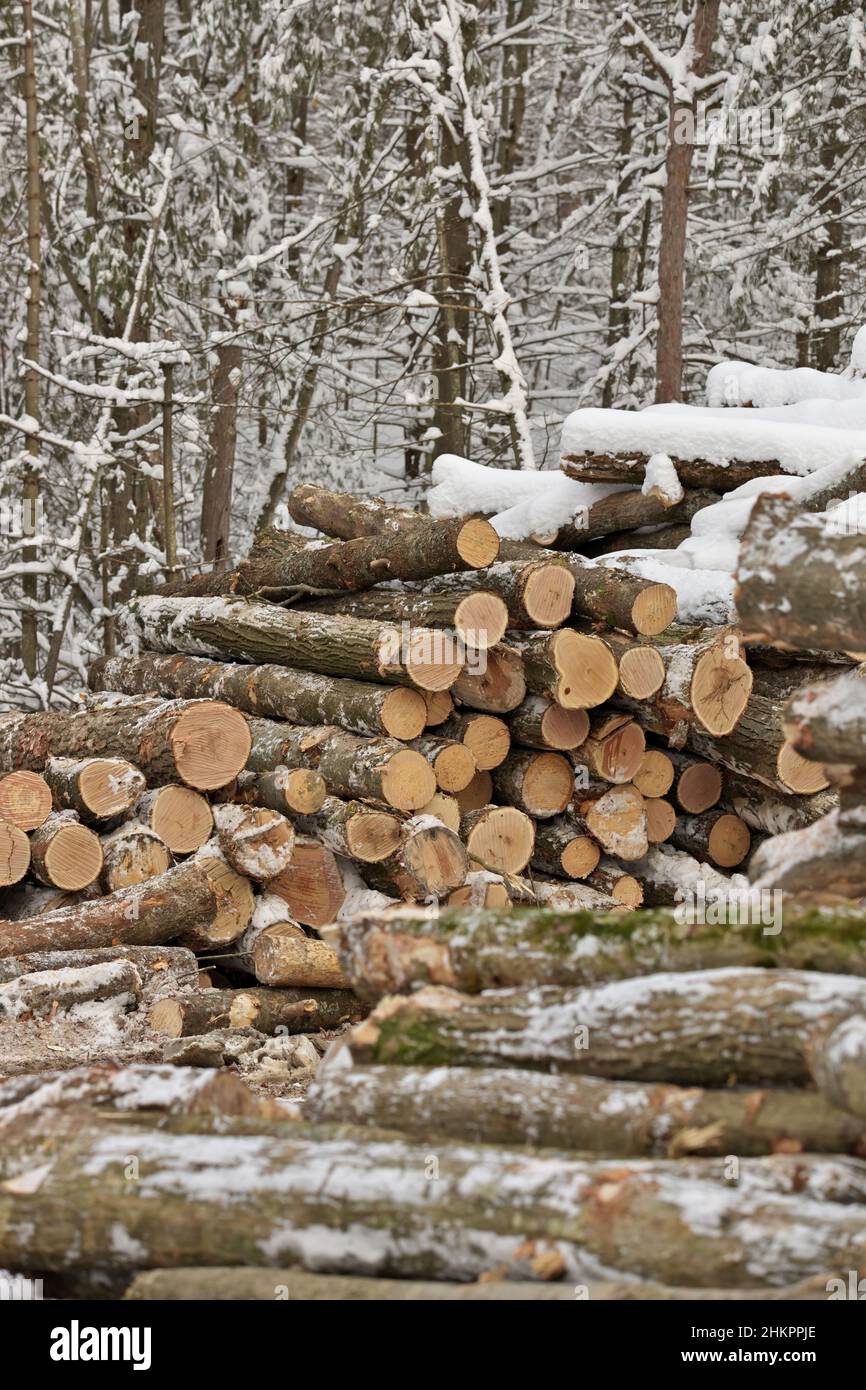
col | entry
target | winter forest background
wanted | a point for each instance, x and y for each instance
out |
(252, 244)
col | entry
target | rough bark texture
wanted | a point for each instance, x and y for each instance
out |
(582, 1113)
(299, 696)
(476, 613)
(700, 1028)
(826, 723)
(264, 632)
(530, 1215)
(280, 565)
(281, 957)
(801, 579)
(145, 914)
(294, 1010)
(154, 734)
(479, 949)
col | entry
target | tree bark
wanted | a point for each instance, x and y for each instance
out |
(200, 742)
(281, 957)
(216, 499)
(146, 914)
(801, 579)
(294, 1010)
(701, 1028)
(493, 949)
(620, 1119)
(281, 565)
(251, 631)
(389, 1201)
(276, 691)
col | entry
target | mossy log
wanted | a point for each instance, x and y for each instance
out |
(696, 1028)
(477, 949)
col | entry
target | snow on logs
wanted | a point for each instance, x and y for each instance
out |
(264, 632)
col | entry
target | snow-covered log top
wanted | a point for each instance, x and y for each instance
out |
(799, 438)
(743, 384)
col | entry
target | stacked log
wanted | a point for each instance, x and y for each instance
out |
(473, 814)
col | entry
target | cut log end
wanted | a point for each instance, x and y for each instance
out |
(580, 857)
(627, 890)
(499, 688)
(655, 775)
(729, 841)
(548, 594)
(488, 740)
(654, 609)
(429, 661)
(25, 799)
(617, 756)
(481, 620)
(661, 819)
(699, 788)
(312, 886)
(564, 729)
(73, 858)
(477, 543)
(477, 794)
(408, 780)
(304, 791)
(14, 854)
(454, 767)
(235, 898)
(588, 671)
(617, 820)
(137, 855)
(404, 713)
(798, 773)
(210, 743)
(438, 706)
(445, 808)
(109, 786)
(548, 784)
(501, 838)
(641, 672)
(437, 858)
(372, 836)
(491, 895)
(166, 1017)
(720, 689)
(181, 818)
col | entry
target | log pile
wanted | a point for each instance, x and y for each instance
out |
(475, 821)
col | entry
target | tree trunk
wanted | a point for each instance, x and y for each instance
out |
(390, 1199)
(30, 487)
(675, 208)
(216, 499)
(276, 691)
(200, 742)
(265, 632)
(526, 945)
(619, 1119)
